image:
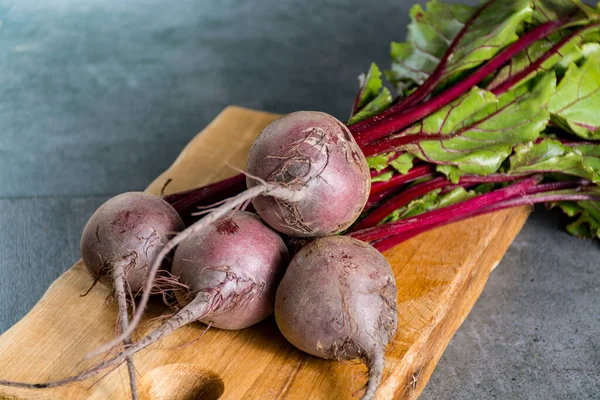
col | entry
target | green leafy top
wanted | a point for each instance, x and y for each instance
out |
(433, 30)
(523, 60)
(534, 112)
(476, 132)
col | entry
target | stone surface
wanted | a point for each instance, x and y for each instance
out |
(533, 333)
(99, 96)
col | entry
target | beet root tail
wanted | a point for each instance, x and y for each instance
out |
(376, 366)
(119, 282)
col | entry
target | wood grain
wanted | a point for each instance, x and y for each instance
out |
(440, 275)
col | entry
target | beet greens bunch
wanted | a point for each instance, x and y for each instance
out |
(496, 107)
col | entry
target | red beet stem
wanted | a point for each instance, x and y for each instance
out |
(185, 202)
(417, 191)
(391, 241)
(399, 201)
(434, 217)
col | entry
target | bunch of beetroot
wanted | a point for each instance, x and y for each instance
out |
(496, 108)
(306, 178)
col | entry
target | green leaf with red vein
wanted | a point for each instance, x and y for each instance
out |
(550, 10)
(576, 104)
(557, 50)
(429, 36)
(433, 30)
(476, 133)
(550, 155)
(479, 100)
(374, 107)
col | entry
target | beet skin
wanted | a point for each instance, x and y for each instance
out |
(337, 300)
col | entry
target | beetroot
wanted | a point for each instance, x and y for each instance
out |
(235, 264)
(337, 300)
(119, 242)
(127, 230)
(311, 151)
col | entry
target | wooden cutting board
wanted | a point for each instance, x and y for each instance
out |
(440, 275)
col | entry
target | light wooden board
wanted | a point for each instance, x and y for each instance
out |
(440, 275)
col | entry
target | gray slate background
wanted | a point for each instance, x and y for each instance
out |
(99, 96)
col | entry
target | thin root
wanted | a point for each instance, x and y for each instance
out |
(121, 296)
(162, 191)
(376, 365)
(102, 377)
(185, 345)
(195, 310)
(96, 280)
